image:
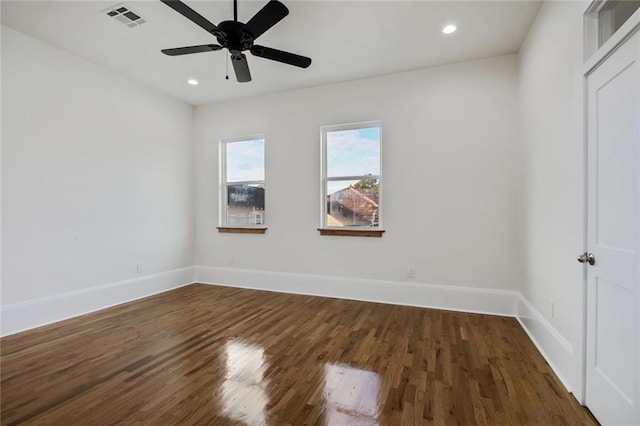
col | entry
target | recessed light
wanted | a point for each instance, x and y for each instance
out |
(192, 81)
(449, 29)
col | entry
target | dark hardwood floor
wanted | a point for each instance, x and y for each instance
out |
(213, 355)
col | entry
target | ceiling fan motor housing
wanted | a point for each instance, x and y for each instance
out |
(234, 36)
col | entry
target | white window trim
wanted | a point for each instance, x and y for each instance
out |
(324, 178)
(222, 201)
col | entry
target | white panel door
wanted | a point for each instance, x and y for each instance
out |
(613, 294)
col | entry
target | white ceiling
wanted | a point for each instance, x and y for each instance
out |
(347, 40)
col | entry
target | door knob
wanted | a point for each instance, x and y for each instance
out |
(587, 258)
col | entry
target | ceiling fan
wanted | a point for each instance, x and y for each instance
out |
(238, 37)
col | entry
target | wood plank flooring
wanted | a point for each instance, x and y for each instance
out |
(214, 355)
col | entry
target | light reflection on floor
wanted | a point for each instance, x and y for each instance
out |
(351, 395)
(243, 392)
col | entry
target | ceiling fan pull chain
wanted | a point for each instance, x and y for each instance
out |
(227, 77)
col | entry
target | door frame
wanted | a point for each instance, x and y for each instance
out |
(593, 57)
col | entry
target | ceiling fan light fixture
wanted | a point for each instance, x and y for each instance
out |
(449, 29)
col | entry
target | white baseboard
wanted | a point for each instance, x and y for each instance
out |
(555, 349)
(464, 299)
(38, 312)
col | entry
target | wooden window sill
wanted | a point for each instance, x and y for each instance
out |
(376, 233)
(240, 230)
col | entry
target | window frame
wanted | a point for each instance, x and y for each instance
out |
(348, 230)
(224, 184)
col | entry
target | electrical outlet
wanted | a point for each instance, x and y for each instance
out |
(139, 268)
(410, 272)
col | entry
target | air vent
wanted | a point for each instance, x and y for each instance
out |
(125, 15)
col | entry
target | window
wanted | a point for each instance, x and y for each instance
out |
(612, 16)
(242, 182)
(607, 22)
(351, 177)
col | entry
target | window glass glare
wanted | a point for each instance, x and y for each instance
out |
(353, 152)
(245, 161)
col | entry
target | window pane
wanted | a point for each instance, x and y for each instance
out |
(613, 15)
(353, 203)
(353, 152)
(245, 204)
(245, 160)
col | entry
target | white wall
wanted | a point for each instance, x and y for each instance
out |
(482, 178)
(550, 94)
(450, 170)
(96, 176)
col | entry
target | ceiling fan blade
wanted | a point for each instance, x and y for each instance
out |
(266, 18)
(281, 56)
(241, 67)
(192, 15)
(191, 49)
